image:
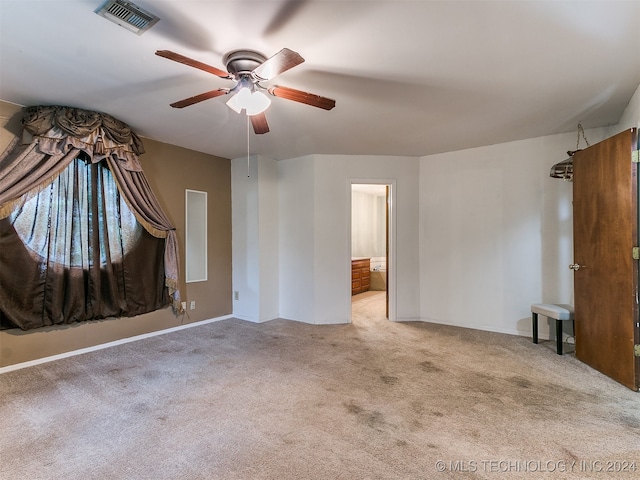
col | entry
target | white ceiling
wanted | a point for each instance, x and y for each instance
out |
(409, 77)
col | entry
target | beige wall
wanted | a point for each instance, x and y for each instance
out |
(170, 170)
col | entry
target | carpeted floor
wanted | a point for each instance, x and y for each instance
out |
(286, 400)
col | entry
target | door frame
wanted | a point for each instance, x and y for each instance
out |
(391, 254)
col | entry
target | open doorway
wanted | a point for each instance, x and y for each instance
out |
(370, 221)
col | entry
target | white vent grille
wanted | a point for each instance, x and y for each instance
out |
(128, 15)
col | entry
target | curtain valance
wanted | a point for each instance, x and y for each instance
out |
(99, 135)
(56, 136)
(79, 123)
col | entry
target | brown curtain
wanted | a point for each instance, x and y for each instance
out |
(58, 136)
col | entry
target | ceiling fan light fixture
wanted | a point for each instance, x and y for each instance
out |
(259, 103)
(236, 102)
(252, 102)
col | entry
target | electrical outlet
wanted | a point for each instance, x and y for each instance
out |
(236, 295)
(184, 305)
(193, 305)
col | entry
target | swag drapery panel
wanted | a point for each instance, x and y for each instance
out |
(81, 159)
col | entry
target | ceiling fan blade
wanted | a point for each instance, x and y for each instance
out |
(176, 57)
(280, 62)
(302, 97)
(199, 98)
(259, 123)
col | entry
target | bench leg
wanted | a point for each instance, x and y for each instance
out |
(559, 337)
(534, 321)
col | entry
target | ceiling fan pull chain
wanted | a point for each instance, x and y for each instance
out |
(248, 175)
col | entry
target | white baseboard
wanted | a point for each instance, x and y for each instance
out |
(254, 320)
(38, 361)
(485, 328)
(245, 318)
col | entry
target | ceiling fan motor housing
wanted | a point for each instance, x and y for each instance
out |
(243, 62)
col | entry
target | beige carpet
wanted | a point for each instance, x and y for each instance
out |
(285, 400)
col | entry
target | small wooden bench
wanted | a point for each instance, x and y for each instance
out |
(559, 312)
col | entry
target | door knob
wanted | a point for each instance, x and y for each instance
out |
(575, 267)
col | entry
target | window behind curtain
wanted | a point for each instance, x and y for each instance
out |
(74, 252)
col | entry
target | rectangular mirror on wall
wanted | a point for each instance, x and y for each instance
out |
(196, 236)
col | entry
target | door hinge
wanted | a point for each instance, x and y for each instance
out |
(635, 253)
(636, 350)
(635, 156)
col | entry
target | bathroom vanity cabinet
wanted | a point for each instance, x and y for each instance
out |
(360, 275)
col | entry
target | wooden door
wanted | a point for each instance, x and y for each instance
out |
(605, 229)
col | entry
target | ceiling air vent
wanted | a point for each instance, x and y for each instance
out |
(128, 15)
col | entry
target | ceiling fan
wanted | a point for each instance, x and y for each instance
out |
(249, 68)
